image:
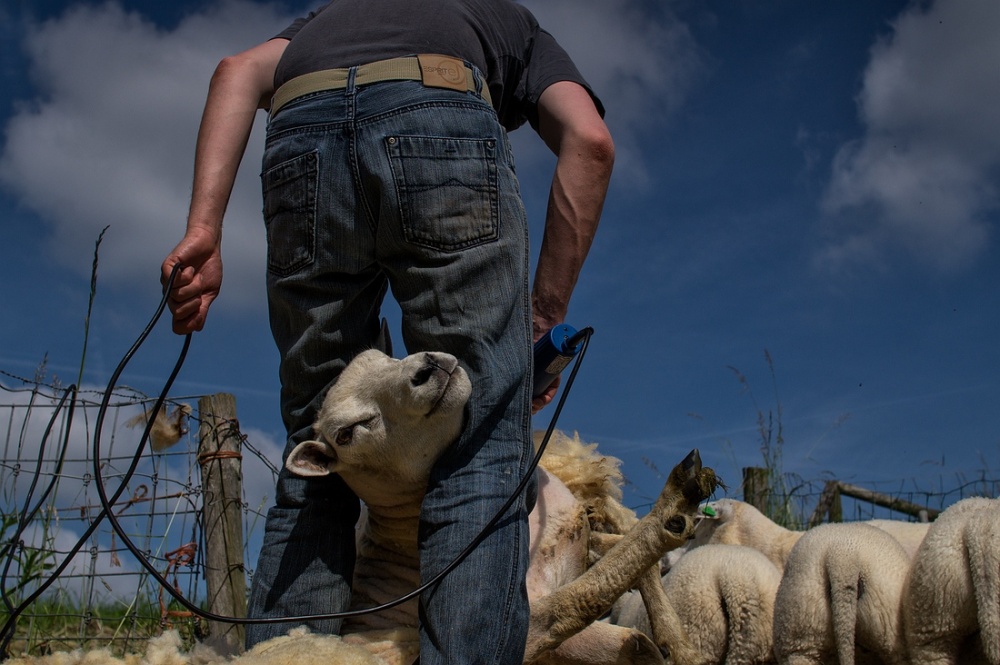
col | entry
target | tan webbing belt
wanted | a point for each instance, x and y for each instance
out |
(436, 71)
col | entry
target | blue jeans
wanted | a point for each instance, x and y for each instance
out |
(395, 185)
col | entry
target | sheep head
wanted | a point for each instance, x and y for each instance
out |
(385, 421)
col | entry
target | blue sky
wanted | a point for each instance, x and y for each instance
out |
(812, 181)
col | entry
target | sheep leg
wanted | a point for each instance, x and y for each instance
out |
(664, 623)
(574, 606)
(603, 643)
(601, 544)
(663, 620)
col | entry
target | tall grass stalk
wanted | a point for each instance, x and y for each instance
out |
(90, 304)
(779, 489)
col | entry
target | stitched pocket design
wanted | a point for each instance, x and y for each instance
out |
(447, 189)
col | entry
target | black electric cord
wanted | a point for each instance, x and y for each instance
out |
(108, 502)
(9, 548)
(7, 631)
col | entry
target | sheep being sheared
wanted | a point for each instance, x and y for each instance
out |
(951, 605)
(839, 598)
(596, 482)
(421, 398)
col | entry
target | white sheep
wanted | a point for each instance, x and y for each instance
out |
(951, 605)
(723, 597)
(839, 598)
(734, 522)
(908, 534)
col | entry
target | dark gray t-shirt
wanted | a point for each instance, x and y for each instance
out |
(500, 37)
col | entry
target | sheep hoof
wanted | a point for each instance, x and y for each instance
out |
(692, 461)
(677, 525)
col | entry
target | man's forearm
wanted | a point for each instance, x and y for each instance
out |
(235, 93)
(574, 210)
(571, 126)
(585, 156)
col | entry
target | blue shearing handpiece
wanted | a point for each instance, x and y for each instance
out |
(553, 352)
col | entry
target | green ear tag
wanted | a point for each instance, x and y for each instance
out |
(708, 510)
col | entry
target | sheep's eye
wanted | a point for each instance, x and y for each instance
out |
(344, 436)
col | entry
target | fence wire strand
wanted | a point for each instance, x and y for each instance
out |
(104, 598)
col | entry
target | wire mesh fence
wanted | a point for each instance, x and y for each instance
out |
(799, 504)
(68, 580)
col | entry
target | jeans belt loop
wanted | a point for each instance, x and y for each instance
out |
(437, 71)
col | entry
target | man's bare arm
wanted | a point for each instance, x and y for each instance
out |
(569, 123)
(241, 85)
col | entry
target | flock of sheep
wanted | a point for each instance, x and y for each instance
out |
(748, 591)
(741, 590)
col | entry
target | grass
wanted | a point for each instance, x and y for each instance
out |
(56, 624)
(771, 488)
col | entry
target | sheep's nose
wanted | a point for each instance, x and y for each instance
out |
(430, 366)
(422, 375)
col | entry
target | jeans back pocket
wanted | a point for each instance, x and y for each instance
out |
(290, 213)
(447, 190)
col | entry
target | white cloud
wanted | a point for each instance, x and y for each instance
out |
(921, 179)
(643, 66)
(109, 138)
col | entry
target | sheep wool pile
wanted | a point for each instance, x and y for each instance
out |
(595, 480)
(299, 647)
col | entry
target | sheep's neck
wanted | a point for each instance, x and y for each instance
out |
(393, 529)
(387, 565)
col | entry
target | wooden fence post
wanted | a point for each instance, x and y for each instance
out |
(222, 485)
(755, 487)
(829, 505)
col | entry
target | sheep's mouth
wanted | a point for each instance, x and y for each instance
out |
(444, 390)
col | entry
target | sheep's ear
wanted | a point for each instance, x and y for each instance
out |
(311, 458)
(708, 512)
